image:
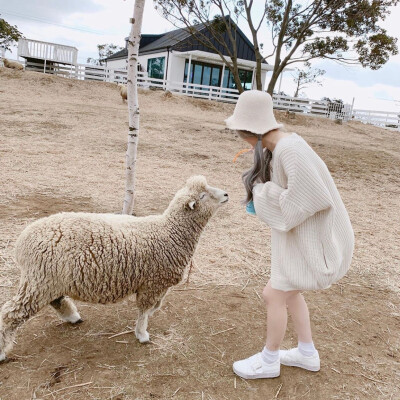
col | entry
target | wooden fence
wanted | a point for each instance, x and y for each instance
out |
(321, 108)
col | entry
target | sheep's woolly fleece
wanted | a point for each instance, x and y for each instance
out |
(12, 64)
(103, 258)
(123, 91)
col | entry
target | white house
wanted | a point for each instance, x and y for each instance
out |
(178, 57)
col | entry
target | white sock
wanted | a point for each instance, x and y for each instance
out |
(307, 349)
(269, 356)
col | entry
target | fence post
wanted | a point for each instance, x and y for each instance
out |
(111, 75)
(2, 54)
(352, 108)
(222, 80)
(280, 82)
(188, 72)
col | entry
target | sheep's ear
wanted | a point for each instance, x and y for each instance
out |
(191, 204)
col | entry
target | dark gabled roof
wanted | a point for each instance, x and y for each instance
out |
(182, 40)
(169, 39)
(119, 54)
(145, 39)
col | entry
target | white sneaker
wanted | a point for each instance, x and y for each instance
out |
(293, 358)
(254, 367)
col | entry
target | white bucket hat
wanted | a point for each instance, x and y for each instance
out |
(253, 113)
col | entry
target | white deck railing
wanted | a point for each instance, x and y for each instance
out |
(312, 107)
(36, 49)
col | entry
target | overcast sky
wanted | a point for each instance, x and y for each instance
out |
(86, 23)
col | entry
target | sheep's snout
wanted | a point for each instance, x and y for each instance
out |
(220, 195)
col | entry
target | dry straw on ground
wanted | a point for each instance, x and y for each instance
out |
(62, 147)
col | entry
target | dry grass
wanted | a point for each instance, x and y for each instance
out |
(62, 146)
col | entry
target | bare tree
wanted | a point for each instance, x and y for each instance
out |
(105, 50)
(344, 31)
(133, 106)
(213, 24)
(304, 77)
(247, 6)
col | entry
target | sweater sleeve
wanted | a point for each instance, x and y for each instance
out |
(306, 194)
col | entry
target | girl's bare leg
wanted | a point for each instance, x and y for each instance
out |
(305, 354)
(276, 302)
(298, 310)
(266, 364)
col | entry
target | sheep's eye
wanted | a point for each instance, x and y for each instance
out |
(202, 196)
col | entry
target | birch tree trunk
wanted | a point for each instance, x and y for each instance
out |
(133, 106)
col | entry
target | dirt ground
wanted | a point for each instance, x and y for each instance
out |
(62, 148)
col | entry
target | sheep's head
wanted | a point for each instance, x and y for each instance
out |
(197, 199)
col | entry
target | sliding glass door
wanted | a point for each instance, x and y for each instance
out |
(246, 78)
(210, 75)
(203, 74)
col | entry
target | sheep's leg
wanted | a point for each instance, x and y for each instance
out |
(158, 305)
(141, 326)
(66, 310)
(27, 302)
(149, 301)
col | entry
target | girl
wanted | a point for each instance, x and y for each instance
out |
(312, 240)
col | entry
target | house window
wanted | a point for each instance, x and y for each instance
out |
(246, 78)
(155, 67)
(228, 82)
(210, 75)
(198, 71)
(215, 77)
(203, 74)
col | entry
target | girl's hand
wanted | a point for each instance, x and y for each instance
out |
(250, 208)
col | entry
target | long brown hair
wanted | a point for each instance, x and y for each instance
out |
(260, 171)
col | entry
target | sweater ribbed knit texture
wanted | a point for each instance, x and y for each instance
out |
(312, 239)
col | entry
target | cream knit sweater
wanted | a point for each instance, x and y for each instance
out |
(312, 240)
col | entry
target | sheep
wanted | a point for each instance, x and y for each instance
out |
(123, 92)
(102, 258)
(12, 64)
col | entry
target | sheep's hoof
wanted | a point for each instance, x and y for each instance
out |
(73, 318)
(143, 337)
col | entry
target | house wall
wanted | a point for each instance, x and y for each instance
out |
(263, 78)
(117, 64)
(176, 68)
(264, 75)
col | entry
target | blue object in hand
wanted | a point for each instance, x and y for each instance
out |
(250, 208)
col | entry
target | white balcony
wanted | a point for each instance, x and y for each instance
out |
(54, 52)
